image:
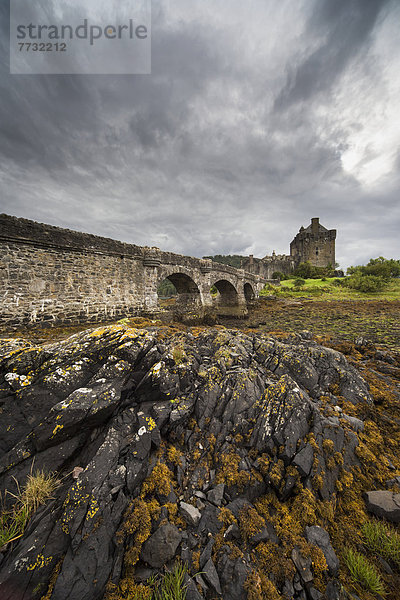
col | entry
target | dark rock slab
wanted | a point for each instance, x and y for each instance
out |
(303, 565)
(190, 513)
(216, 495)
(104, 400)
(304, 460)
(209, 521)
(211, 576)
(161, 546)
(206, 554)
(233, 574)
(267, 534)
(192, 593)
(319, 537)
(385, 504)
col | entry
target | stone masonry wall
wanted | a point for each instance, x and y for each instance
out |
(60, 276)
(318, 249)
(266, 267)
(51, 285)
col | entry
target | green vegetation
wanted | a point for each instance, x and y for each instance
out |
(383, 539)
(213, 291)
(334, 288)
(169, 586)
(379, 276)
(307, 271)
(378, 267)
(373, 277)
(166, 289)
(178, 354)
(38, 489)
(363, 572)
(233, 260)
(12, 524)
(299, 282)
(365, 283)
(172, 585)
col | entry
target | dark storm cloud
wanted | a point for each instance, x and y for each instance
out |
(344, 27)
(196, 158)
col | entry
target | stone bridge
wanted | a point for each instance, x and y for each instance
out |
(58, 276)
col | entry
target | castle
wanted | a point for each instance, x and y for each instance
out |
(314, 244)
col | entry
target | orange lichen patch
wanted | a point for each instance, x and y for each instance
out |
(230, 473)
(137, 522)
(174, 455)
(365, 454)
(344, 481)
(160, 480)
(53, 580)
(277, 473)
(234, 551)
(318, 481)
(310, 438)
(275, 560)
(227, 518)
(382, 392)
(328, 446)
(128, 590)
(250, 522)
(196, 561)
(259, 587)
(318, 561)
(174, 516)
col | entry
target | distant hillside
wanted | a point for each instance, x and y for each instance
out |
(234, 260)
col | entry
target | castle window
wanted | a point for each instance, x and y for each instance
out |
(316, 252)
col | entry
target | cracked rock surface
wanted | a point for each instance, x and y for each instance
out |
(156, 433)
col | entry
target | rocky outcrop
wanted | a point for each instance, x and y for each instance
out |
(180, 439)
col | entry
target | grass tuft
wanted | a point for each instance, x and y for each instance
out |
(38, 488)
(172, 585)
(178, 354)
(383, 539)
(364, 572)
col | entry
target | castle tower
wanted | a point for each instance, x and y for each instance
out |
(314, 244)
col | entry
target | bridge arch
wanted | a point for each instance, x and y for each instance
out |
(188, 295)
(227, 293)
(249, 292)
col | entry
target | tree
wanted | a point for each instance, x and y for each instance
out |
(377, 267)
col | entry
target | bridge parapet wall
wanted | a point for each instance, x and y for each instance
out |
(54, 275)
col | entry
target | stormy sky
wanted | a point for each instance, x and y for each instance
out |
(257, 116)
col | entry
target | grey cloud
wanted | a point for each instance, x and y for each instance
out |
(193, 158)
(344, 26)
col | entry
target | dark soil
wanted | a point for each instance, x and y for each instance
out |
(376, 320)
